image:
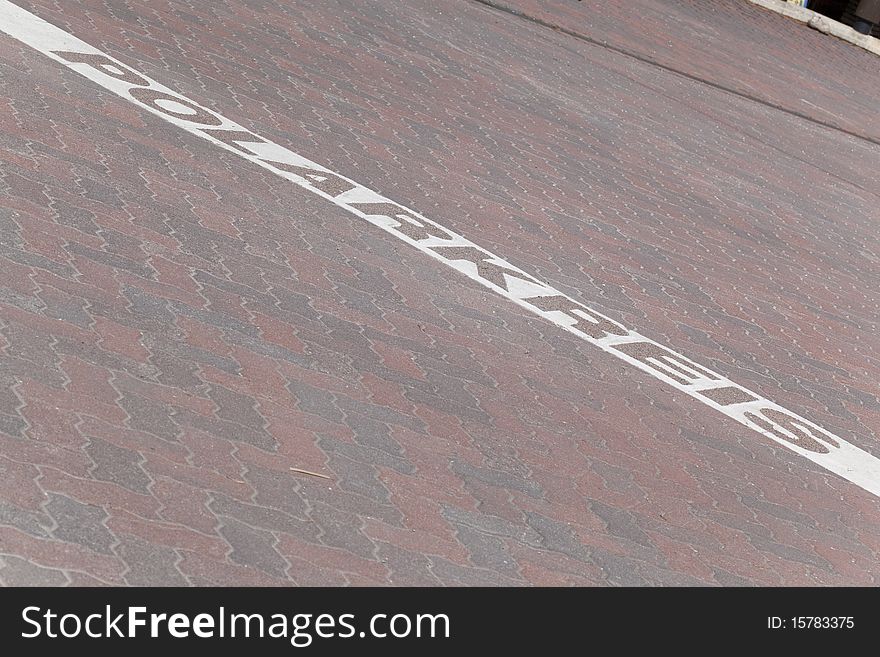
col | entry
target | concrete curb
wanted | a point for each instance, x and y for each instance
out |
(821, 23)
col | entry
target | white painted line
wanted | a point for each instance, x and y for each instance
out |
(706, 386)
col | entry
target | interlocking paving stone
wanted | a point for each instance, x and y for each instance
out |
(178, 329)
(15, 571)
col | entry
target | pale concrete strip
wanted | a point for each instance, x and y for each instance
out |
(821, 23)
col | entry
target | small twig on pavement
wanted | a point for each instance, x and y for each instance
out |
(309, 472)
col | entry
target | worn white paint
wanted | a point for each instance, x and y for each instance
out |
(752, 410)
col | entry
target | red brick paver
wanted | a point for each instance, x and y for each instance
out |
(179, 330)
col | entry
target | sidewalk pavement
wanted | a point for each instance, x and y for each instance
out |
(184, 338)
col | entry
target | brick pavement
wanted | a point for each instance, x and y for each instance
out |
(179, 330)
(745, 50)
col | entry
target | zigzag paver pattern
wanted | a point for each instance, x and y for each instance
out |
(178, 329)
